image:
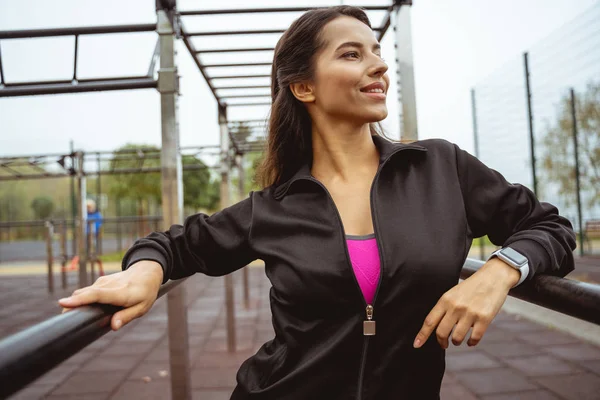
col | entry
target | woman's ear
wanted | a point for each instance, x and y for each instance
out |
(303, 91)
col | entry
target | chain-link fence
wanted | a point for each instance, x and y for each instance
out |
(527, 128)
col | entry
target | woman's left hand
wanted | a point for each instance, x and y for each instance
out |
(472, 303)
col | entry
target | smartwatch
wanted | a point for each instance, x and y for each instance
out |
(515, 259)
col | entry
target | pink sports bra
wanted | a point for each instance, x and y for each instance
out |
(364, 257)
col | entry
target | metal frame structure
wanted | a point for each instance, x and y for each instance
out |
(170, 26)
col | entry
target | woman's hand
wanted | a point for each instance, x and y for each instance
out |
(472, 303)
(135, 289)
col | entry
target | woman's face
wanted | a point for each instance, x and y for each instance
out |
(350, 80)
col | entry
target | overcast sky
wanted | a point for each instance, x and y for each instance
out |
(456, 44)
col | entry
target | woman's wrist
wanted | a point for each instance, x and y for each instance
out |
(148, 267)
(502, 272)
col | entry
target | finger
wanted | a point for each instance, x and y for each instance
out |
(477, 334)
(115, 296)
(431, 321)
(123, 317)
(64, 310)
(462, 329)
(445, 328)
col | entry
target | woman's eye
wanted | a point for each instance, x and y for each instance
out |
(351, 54)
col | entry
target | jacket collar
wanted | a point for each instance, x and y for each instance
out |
(386, 150)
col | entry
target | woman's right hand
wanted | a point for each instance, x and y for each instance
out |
(134, 289)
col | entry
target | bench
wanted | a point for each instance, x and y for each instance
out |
(592, 231)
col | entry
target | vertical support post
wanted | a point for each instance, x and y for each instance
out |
(81, 219)
(98, 232)
(73, 202)
(172, 202)
(577, 176)
(530, 118)
(225, 202)
(1, 70)
(63, 249)
(405, 72)
(90, 255)
(242, 195)
(50, 256)
(476, 146)
(119, 243)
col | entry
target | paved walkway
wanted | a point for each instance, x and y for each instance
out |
(517, 359)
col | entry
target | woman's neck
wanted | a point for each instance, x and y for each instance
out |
(343, 152)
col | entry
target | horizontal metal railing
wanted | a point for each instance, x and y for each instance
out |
(577, 299)
(27, 355)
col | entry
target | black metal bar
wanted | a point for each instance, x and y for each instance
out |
(243, 96)
(530, 125)
(75, 57)
(239, 76)
(577, 299)
(247, 32)
(32, 352)
(248, 104)
(127, 218)
(41, 88)
(235, 50)
(84, 30)
(247, 120)
(244, 87)
(190, 46)
(155, 56)
(386, 24)
(223, 33)
(267, 10)
(1, 69)
(577, 175)
(237, 65)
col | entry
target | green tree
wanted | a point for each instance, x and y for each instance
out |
(199, 190)
(42, 206)
(558, 161)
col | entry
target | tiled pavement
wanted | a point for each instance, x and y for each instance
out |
(517, 359)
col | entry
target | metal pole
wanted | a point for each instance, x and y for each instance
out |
(119, 244)
(63, 249)
(530, 117)
(81, 220)
(242, 194)
(172, 203)
(49, 233)
(225, 202)
(73, 205)
(577, 176)
(90, 251)
(98, 237)
(406, 76)
(476, 146)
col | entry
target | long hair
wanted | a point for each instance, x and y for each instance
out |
(289, 135)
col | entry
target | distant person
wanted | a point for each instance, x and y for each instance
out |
(355, 231)
(93, 215)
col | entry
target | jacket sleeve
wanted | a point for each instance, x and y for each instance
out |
(214, 245)
(511, 216)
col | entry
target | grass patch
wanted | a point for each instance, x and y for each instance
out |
(117, 256)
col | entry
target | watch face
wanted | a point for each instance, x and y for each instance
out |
(514, 256)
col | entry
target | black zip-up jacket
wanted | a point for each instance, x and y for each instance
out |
(429, 199)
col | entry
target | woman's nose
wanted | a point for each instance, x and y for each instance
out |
(378, 68)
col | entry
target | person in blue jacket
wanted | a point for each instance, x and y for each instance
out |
(94, 218)
(330, 178)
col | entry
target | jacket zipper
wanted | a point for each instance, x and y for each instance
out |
(368, 323)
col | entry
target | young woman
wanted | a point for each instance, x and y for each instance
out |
(363, 239)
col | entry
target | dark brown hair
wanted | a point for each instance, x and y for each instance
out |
(289, 137)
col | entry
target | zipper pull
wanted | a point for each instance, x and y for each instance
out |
(369, 324)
